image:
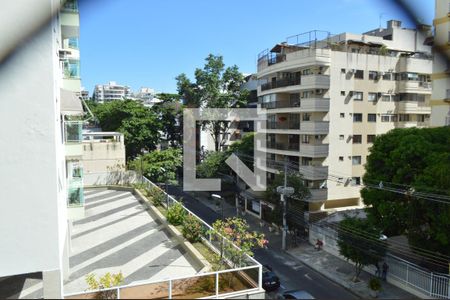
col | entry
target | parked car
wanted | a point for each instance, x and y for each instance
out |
(296, 294)
(270, 281)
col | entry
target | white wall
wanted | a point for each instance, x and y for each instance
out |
(33, 214)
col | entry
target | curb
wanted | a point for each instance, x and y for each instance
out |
(326, 275)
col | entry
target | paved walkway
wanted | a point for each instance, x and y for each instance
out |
(118, 235)
(332, 267)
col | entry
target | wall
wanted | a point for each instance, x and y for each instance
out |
(33, 215)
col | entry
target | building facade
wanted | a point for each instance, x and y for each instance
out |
(42, 176)
(328, 97)
(111, 91)
(440, 99)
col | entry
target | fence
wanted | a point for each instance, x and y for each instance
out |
(243, 278)
(219, 284)
(401, 273)
(213, 240)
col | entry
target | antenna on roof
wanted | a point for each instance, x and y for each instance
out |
(379, 21)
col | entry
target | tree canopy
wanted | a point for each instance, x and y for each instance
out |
(150, 164)
(169, 113)
(360, 242)
(215, 87)
(417, 160)
(138, 123)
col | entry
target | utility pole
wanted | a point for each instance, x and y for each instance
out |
(283, 245)
(284, 191)
(238, 189)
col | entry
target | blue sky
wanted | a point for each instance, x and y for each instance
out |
(149, 42)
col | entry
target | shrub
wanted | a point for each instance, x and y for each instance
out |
(156, 195)
(176, 214)
(192, 229)
(374, 284)
(106, 281)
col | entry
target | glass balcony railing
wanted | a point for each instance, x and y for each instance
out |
(71, 68)
(75, 195)
(70, 6)
(73, 131)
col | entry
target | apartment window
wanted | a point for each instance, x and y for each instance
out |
(305, 139)
(342, 93)
(358, 96)
(403, 117)
(343, 71)
(371, 117)
(409, 76)
(370, 138)
(388, 118)
(447, 94)
(357, 139)
(356, 180)
(306, 117)
(372, 97)
(387, 76)
(341, 158)
(342, 115)
(421, 118)
(386, 98)
(373, 75)
(306, 72)
(356, 160)
(357, 117)
(306, 94)
(359, 74)
(341, 137)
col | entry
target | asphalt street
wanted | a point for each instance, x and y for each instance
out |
(293, 274)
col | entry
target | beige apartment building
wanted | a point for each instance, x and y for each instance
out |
(327, 97)
(440, 99)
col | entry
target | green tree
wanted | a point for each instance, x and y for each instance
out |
(138, 123)
(215, 87)
(214, 164)
(358, 241)
(150, 164)
(417, 158)
(233, 232)
(169, 113)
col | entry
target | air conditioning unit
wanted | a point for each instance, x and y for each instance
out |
(64, 54)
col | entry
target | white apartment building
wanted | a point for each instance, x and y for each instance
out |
(41, 175)
(111, 91)
(440, 99)
(328, 97)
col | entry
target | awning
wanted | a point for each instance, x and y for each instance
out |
(70, 103)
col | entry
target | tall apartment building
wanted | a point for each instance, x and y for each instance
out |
(41, 173)
(328, 97)
(110, 92)
(440, 99)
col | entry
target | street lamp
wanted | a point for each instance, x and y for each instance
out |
(284, 191)
(165, 186)
(218, 197)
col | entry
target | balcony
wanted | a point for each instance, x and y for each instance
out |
(316, 81)
(413, 107)
(280, 83)
(311, 150)
(71, 69)
(413, 87)
(73, 136)
(314, 127)
(302, 105)
(291, 149)
(75, 193)
(289, 124)
(317, 195)
(315, 104)
(314, 172)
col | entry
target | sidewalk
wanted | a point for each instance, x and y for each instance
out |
(330, 266)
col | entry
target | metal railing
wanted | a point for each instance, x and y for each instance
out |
(280, 83)
(402, 272)
(244, 277)
(288, 124)
(218, 284)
